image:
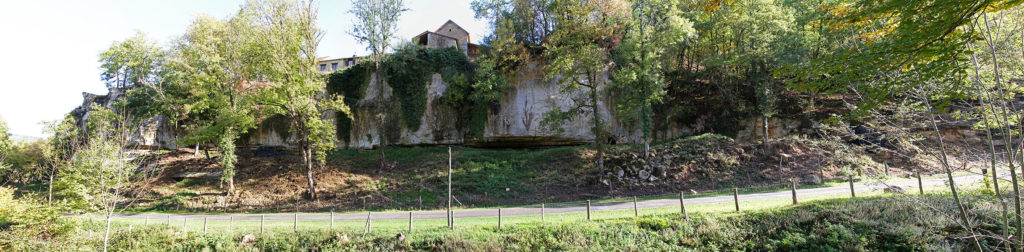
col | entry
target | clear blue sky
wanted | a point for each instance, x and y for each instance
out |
(48, 53)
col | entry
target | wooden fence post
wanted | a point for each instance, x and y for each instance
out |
(262, 220)
(184, 224)
(920, 186)
(367, 227)
(736, 198)
(636, 210)
(499, 218)
(231, 224)
(588, 209)
(451, 217)
(147, 220)
(793, 182)
(682, 206)
(332, 219)
(204, 225)
(542, 212)
(852, 193)
(886, 168)
(295, 223)
(168, 220)
(410, 222)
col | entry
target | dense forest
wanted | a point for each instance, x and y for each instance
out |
(892, 76)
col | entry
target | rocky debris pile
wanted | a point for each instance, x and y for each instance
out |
(668, 161)
(633, 168)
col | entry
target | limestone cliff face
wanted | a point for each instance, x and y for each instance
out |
(514, 122)
(154, 132)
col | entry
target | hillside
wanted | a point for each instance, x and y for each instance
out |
(272, 180)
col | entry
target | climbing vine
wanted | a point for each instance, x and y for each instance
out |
(471, 88)
(351, 83)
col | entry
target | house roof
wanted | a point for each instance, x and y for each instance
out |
(452, 22)
(435, 33)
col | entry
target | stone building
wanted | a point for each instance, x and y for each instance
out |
(448, 35)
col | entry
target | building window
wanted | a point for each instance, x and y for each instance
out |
(323, 67)
(334, 66)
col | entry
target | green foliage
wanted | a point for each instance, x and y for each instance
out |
(492, 177)
(26, 225)
(351, 83)
(5, 139)
(654, 29)
(132, 62)
(898, 47)
(863, 224)
(409, 72)
(25, 162)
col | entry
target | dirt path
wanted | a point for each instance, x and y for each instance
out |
(910, 186)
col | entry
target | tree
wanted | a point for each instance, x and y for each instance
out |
(64, 141)
(134, 61)
(655, 27)
(5, 149)
(580, 57)
(210, 63)
(287, 39)
(102, 172)
(375, 25)
(916, 46)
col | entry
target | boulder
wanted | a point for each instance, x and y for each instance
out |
(812, 179)
(894, 189)
(644, 174)
(341, 238)
(400, 238)
(248, 240)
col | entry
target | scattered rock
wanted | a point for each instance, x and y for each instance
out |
(894, 189)
(197, 175)
(644, 174)
(248, 240)
(812, 179)
(400, 238)
(341, 238)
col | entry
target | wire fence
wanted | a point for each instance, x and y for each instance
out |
(497, 218)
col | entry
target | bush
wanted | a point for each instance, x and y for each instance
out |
(26, 225)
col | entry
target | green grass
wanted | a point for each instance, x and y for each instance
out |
(395, 226)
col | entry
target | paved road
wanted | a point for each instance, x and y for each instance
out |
(910, 186)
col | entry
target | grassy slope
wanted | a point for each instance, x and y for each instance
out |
(882, 223)
(482, 177)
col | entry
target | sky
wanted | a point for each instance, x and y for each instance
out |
(49, 49)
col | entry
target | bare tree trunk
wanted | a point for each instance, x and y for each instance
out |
(106, 235)
(231, 186)
(952, 184)
(307, 155)
(49, 191)
(764, 126)
(1007, 137)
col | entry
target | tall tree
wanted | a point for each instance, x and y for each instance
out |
(287, 42)
(655, 28)
(580, 53)
(210, 63)
(909, 46)
(375, 25)
(64, 141)
(134, 61)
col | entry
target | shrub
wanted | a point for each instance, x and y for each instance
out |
(26, 225)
